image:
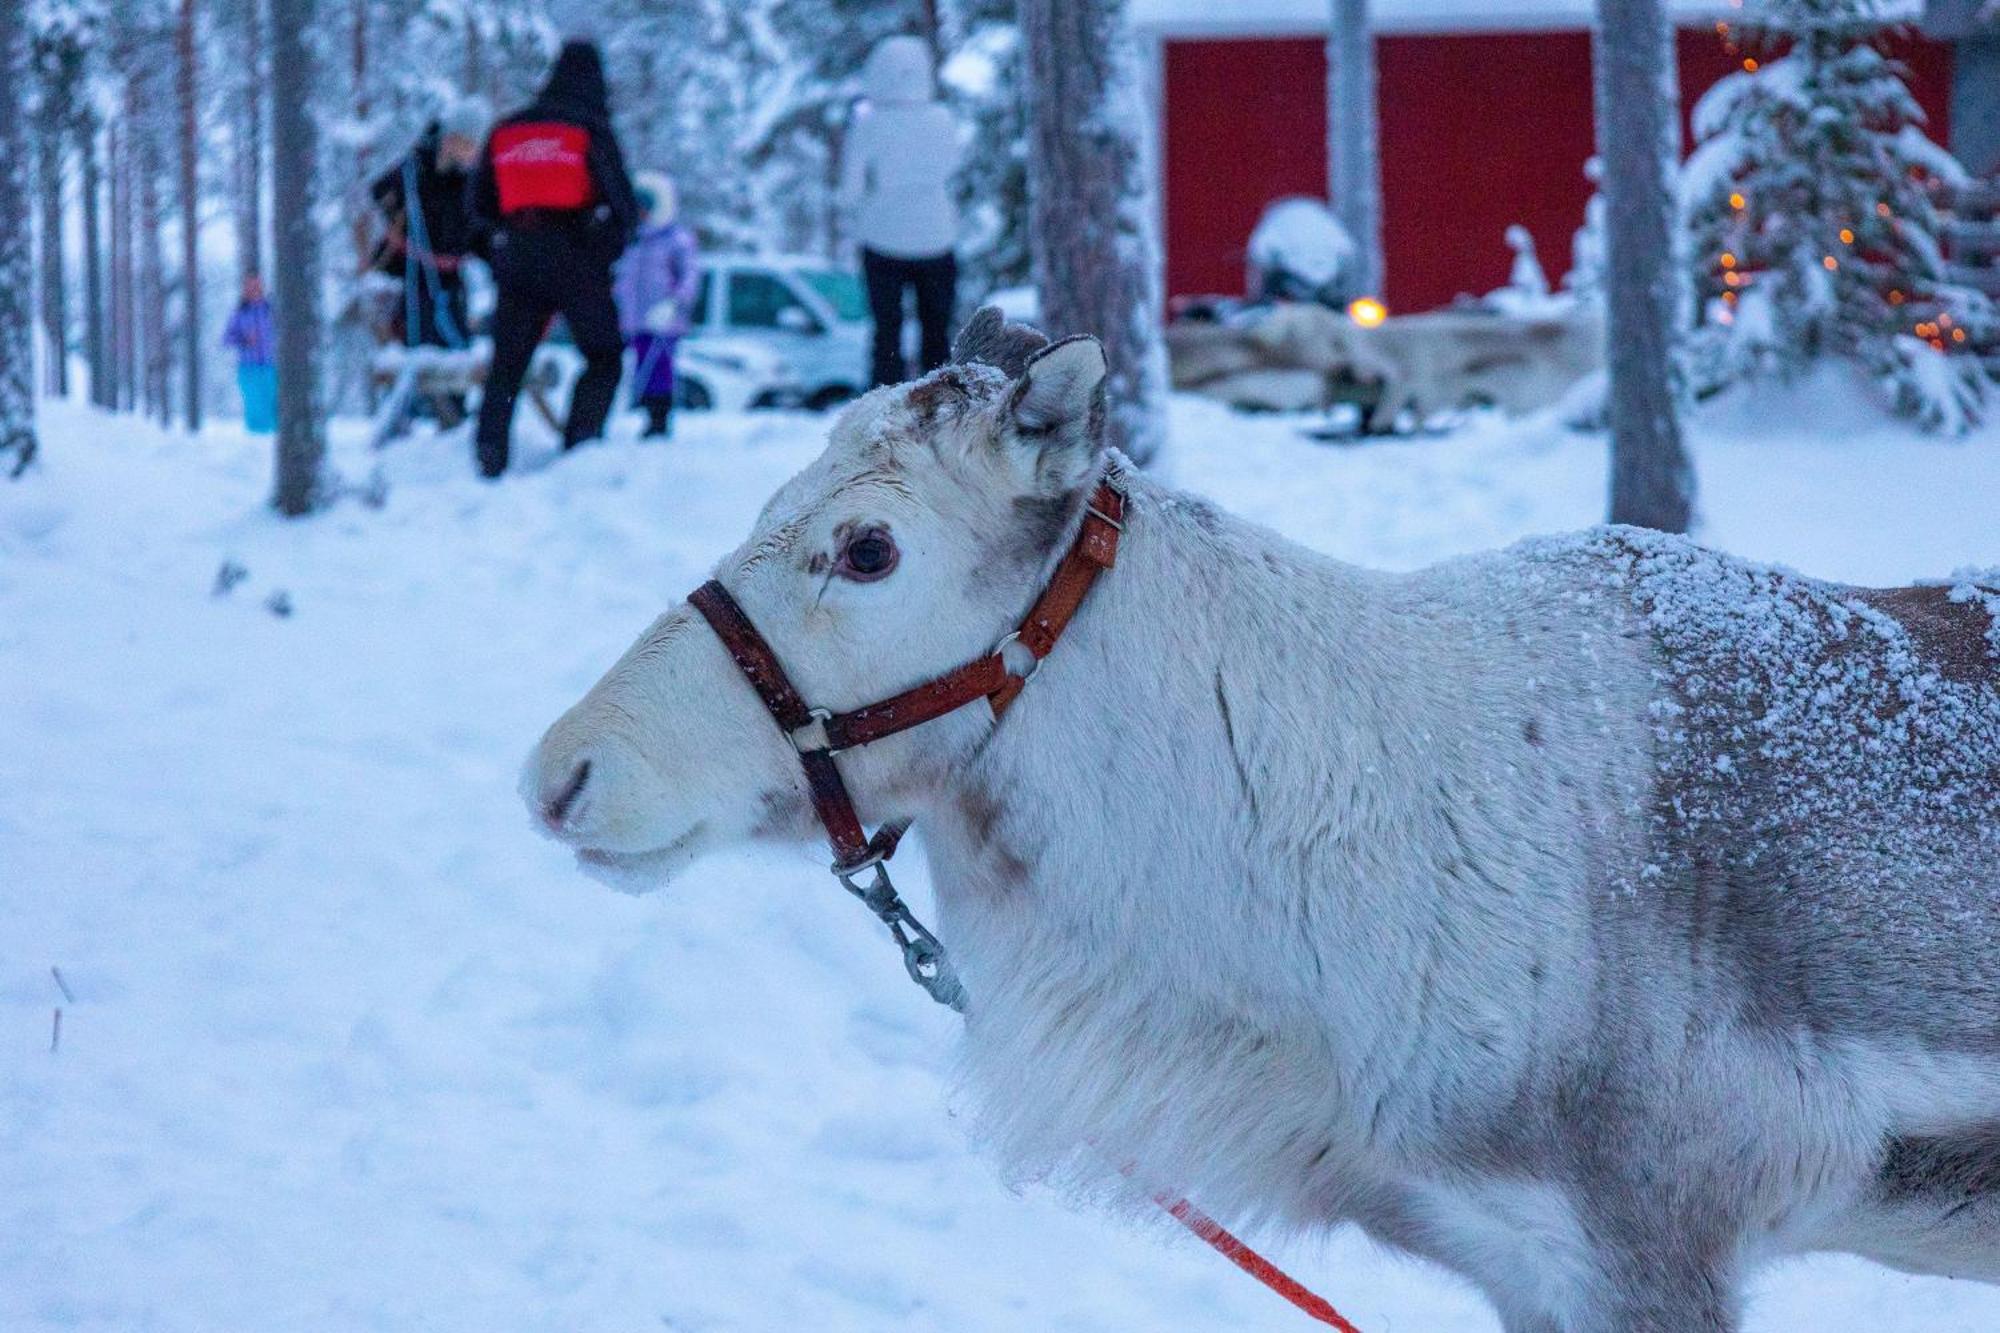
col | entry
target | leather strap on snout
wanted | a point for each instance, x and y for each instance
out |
(760, 666)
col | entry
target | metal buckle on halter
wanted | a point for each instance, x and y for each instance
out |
(1034, 662)
(812, 736)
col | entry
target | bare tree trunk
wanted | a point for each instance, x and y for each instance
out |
(301, 444)
(124, 342)
(96, 352)
(191, 368)
(17, 325)
(250, 145)
(158, 360)
(364, 227)
(1652, 482)
(1353, 157)
(473, 78)
(54, 287)
(1091, 217)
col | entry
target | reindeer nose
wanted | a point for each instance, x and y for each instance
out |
(557, 804)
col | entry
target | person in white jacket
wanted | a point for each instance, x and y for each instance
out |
(901, 152)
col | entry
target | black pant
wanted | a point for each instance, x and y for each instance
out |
(936, 279)
(540, 274)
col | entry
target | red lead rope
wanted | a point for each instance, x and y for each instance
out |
(1256, 1265)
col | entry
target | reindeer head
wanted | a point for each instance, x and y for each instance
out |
(913, 543)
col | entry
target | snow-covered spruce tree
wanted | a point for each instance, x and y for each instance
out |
(17, 322)
(1809, 216)
(1091, 215)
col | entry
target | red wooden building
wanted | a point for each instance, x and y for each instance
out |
(1485, 118)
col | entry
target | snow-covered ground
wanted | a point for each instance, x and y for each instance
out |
(350, 1048)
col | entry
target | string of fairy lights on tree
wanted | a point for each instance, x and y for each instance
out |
(1877, 251)
(1811, 200)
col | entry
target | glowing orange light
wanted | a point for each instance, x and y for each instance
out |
(1367, 311)
(1846, 236)
(1750, 64)
(1895, 298)
(1830, 262)
(1729, 297)
(1736, 201)
(1958, 335)
(1728, 260)
(1733, 279)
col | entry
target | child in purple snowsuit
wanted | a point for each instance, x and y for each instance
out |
(657, 282)
(249, 335)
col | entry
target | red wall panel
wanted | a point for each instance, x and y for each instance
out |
(1478, 131)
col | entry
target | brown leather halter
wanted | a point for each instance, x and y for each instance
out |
(819, 735)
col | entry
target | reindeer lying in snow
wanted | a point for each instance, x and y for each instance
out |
(1599, 918)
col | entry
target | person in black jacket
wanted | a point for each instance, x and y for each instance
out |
(425, 249)
(552, 197)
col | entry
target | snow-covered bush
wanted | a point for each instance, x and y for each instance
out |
(1809, 211)
(1301, 252)
(1586, 248)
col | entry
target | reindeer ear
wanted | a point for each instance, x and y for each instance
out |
(1057, 409)
(988, 338)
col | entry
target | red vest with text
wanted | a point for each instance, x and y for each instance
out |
(542, 164)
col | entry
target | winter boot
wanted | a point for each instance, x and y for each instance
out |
(659, 418)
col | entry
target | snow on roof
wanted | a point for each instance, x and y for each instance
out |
(1195, 18)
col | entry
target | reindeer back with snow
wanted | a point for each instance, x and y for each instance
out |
(1598, 918)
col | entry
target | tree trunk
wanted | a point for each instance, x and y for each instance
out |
(191, 339)
(124, 354)
(295, 155)
(55, 294)
(250, 145)
(96, 350)
(1353, 152)
(473, 78)
(17, 324)
(363, 215)
(1092, 223)
(158, 357)
(1652, 482)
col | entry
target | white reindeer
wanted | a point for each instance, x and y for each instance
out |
(1600, 918)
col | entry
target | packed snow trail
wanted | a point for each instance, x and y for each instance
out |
(350, 1048)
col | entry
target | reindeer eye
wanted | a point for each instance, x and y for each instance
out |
(869, 555)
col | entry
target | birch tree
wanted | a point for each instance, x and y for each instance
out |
(17, 324)
(1091, 208)
(301, 444)
(1638, 136)
(1353, 154)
